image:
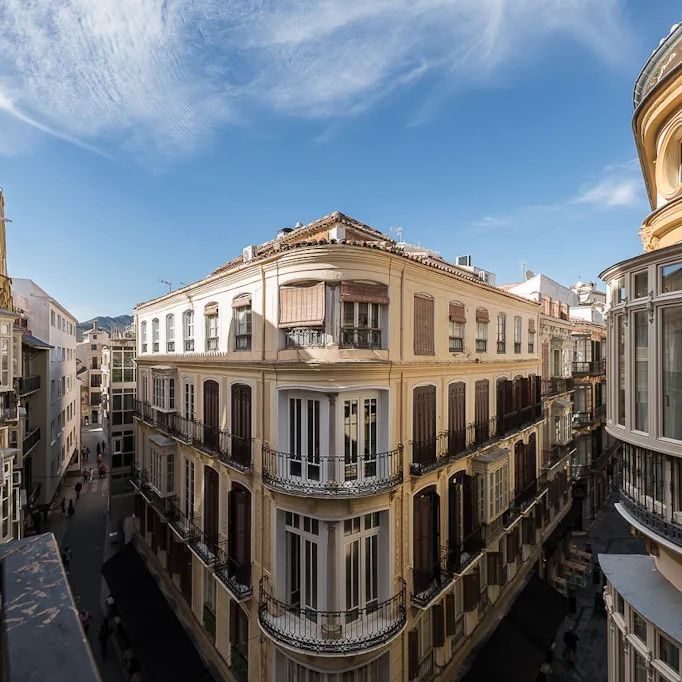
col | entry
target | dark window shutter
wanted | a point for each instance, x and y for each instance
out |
(423, 326)
(438, 625)
(413, 654)
(240, 538)
(472, 588)
(456, 417)
(424, 424)
(539, 513)
(545, 360)
(450, 614)
(511, 547)
(494, 568)
(163, 536)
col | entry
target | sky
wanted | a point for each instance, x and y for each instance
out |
(150, 140)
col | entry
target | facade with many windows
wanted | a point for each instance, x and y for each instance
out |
(644, 593)
(89, 358)
(339, 459)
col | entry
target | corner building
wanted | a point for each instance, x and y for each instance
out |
(643, 594)
(339, 457)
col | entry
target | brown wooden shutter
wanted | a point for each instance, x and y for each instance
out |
(457, 312)
(163, 536)
(424, 424)
(528, 530)
(482, 315)
(438, 623)
(240, 538)
(456, 417)
(545, 360)
(241, 424)
(471, 588)
(413, 654)
(143, 519)
(354, 292)
(512, 545)
(301, 306)
(494, 568)
(211, 495)
(211, 414)
(450, 620)
(234, 624)
(423, 326)
(540, 513)
(241, 301)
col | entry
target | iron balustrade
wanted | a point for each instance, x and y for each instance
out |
(211, 343)
(593, 367)
(242, 342)
(524, 497)
(557, 385)
(235, 575)
(189, 344)
(501, 347)
(518, 419)
(178, 520)
(481, 345)
(29, 384)
(456, 344)
(517, 347)
(555, 454)
(9, 414)
(360, 337)
(583, 418)
(30, 440)
(652, 519)
(335, 475)
(493, 529)
(170, 346)
(342, 631)
(304, 337)
(464, 552)
(428, 583)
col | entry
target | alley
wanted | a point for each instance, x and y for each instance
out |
(609, 534)
(85, 534)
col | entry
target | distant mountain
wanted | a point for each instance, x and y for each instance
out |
(105, 323)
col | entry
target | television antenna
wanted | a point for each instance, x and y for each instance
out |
(170, 286)
(400, 233)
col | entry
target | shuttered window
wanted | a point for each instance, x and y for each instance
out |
(494, 568)
(472, 588)
(423, 326)
(413, 654)
(450, 614)
(438, 623)
(354, 292)
(301, 306)
(456, 417)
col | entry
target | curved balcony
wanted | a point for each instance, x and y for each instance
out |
(653, 520)
(335, 476)
(332, 632)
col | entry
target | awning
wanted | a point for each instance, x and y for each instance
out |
(531, 326)
(211, 309)
(159, 641)
(482, 315)
(517, 648)
(241, 301)
(457, 312)
(364, 293)
(161, 441)
(301, 306)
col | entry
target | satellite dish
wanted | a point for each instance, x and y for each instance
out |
(530, 274)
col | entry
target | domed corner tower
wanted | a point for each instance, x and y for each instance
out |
(644, 373)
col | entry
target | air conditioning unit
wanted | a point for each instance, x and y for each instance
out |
(247, 253)
(464, 260)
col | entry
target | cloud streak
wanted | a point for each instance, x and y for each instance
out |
(167, 74)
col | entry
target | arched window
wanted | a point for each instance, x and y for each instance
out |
(501, 333)
(188, 329)
(155, 335)
(517, 334)
(143, 336)
(211, 318)
(170, 333)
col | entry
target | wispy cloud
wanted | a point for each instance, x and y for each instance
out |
(619, 185)
(491, 221)
(167, 74)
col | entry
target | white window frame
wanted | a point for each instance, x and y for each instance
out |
(498, 490)
(156, 335)
(143, 337)
(212, 332)
(188, 330)
(170, 333)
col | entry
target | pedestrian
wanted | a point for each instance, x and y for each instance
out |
(66, 558)
(99, 458)
(103, 636)
(78, 487)
(85, 475)
(103, 445)
(102, 471)
(72, 509)
(98, 451)
(90, 474)
(571, 643)
(62, 505)
(85, 619)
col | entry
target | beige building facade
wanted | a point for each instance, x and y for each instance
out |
(644, 593)
(89, 355)
(340, 457)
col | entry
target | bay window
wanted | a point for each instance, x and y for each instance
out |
(362, 306)
(188, 329)
(497, 491)
(163, 392)
(162, 471)
(170, 333)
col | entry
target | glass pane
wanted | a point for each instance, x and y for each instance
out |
(641, 284)
(363, 315)
(671, 277)
(348, 315)
(641, 371)
(620, 339)
(671, 350)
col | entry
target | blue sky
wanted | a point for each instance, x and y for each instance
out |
(143, 140)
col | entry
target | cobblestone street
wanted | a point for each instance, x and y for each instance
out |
(609, 534)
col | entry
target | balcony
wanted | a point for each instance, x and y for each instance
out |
(587, 418)
(555, 454)
(461, 555)
(230, 449)
(456, 344)
(429, 583)
(28, 385)
(242, 342)
(189, 345)
(653, 520)
(332, 632)
(518, 419)
(335, 475)
(211, 343)
(556, 386)
(170, 346)
(234, 575)
(481, 345)
(360, 337)
(589, 368)
(30, 440)
(304, 337)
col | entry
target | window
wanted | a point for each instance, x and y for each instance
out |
(501, 333)
(170, 333)
(641, 674)
(497, 489)
(423, 325)
(188, 489)
(301, 536)
(155, 335)
(212, 330)
(517, 334)
(361, 550)
(456, 339)
(161, 471)
(482, 321)
(52, 317)
(188, 329)
(641, 382)
(620, 361)
(641, 284)
(639, 626)
(93, 346)
(531, 337)
(359, 438)
(668, 653)
(618, 291)
(242, 322)
(304, 438)
(671, 351)
(620, 604)
(94, 363)
(360, 326)
(5, 359)
(302, 315)
(143, 336)
(163, 392)
(671, 278)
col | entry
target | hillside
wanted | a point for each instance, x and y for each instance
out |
(105, 323)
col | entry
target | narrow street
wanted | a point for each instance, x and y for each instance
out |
(85, 534)
(609, 534)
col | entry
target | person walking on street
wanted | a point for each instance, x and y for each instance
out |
(85, 475)
(103, 636)
(85, 619)
(72, 509)
(99, 457)
(78, 487)
(103, 445)
(571, 643)
(99, 452)
(62, 505)
(66, 558)
(90, 474)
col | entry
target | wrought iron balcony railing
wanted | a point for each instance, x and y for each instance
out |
(360, 337)
(585, 367)
(29, 385)
(555, 454)
(235, 575)
(304, 337)
(481, 345)
(464, 552)
(30, 440)
(242, 342)
(429, 582)
(228, 447)
(189, 345)
(335, 475)
(652, 519)
(456, 344)
(518, 419)
(211, 343)
(556, 386)
(179, 521)
(332, 632)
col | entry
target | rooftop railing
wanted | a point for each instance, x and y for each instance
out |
(652, 519)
